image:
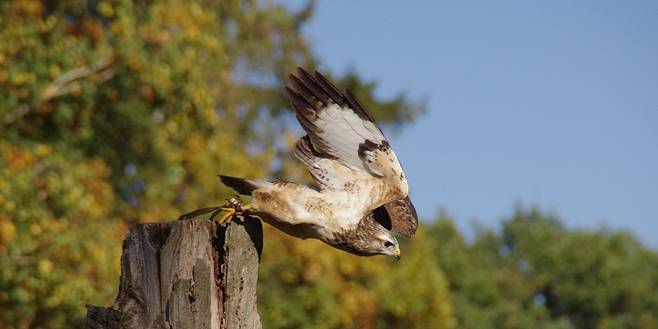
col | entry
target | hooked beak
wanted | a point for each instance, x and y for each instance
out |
(397, 253)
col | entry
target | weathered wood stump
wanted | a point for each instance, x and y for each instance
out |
(186, 274)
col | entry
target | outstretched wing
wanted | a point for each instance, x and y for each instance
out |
(338, 126)
(343, 145)
(398, 216)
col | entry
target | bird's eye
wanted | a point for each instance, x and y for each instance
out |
(388, 244)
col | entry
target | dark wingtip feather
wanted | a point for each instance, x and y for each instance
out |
(356, 105)
(318, 91)
(303, 73)
(328, 87)
(240, 185)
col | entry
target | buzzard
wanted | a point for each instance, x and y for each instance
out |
(362, 192)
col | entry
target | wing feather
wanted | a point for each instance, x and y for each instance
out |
(324, 170)
(336, 123)
(344, 146)
(333, 92)
(398, 216)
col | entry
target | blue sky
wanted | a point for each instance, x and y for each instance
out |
(551, 103)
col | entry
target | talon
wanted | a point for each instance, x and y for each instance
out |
(227, 216)
(232, 208)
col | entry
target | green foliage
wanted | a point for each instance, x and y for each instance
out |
(114, 112)
(537, 274)
(307, 285)
(51, 258)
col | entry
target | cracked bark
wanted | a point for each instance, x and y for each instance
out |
(186, 274)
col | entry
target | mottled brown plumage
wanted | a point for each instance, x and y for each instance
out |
(363, 239)
(363, 191)
(398, 216)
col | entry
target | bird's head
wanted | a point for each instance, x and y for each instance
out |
(371, 238)
(388, 244)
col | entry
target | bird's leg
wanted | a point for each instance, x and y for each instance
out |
(234, 207)
(227, 216)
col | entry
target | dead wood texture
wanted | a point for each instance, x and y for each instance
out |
(186, 274)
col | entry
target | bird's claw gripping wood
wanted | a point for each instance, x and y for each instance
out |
(232, 208)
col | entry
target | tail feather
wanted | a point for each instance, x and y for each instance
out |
(240, 185)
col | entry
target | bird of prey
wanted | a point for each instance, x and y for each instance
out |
(362, 192)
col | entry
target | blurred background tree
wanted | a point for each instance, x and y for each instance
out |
(117, 112)
(535, 273)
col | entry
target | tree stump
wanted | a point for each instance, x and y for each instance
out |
(186, 274)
